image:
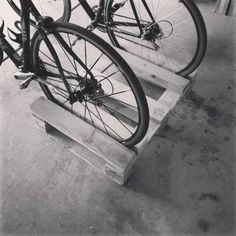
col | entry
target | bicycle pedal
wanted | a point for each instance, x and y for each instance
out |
(19, 75)
(24, 84)
(27, 77)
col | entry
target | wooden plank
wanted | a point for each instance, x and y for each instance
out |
(222, 6)
(159, 111)
(232, 9)
(88, 156)
(122, 111)
(95, 147)
(160, 108)
(78, 149)
(154, 74)
(150, 72)
(115, 154)
(157, 108)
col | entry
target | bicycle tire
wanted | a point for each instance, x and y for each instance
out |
(1, 56)
(109, 63)
(177, 56)
(65, 12)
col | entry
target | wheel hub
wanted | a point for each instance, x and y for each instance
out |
(88, 89)
(157, 30)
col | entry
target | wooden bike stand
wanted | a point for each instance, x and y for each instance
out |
(163, 90)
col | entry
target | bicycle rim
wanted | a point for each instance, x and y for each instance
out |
(106, 93)
(59, 10)
(175, 39)
(1, 56)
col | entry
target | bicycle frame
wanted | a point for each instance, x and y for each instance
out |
(96, 18)
(24, 63)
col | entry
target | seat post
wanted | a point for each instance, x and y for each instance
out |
(25, 27)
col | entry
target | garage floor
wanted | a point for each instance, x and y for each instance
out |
(184, 183)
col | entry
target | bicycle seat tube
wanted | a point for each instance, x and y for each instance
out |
(25, 29)
(99, 12)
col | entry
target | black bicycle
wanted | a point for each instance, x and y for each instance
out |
(169, 33)
(80, 72)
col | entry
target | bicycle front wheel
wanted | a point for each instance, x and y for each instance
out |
(171, 34)
(59, 10)
(104, 91)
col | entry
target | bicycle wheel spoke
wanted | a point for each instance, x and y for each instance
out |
(101, 119)
(110, 128)
(55, 67)
(129, 18)
(96, 61)
(108, 76)
(59, 93)
(113, 112)
(131, 41)
(73, 57)
(86, 105)
(172, 12)
(66, 71)
(109, 95)
(64, 50)
(85, 54)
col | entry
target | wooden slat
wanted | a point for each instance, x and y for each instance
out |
(75, 147)
(151, 72)
(114, 153)
(159, 111)
(122, 111)
(232, 9)
(89, 157)
(154, 74)
(222, 6)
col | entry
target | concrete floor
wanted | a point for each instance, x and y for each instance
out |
(184, 183)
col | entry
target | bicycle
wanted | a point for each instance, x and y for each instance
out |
(171, 34)
(80, 72)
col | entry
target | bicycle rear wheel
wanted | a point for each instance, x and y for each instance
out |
(59, 10)
(104, 90)
(172, 35)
